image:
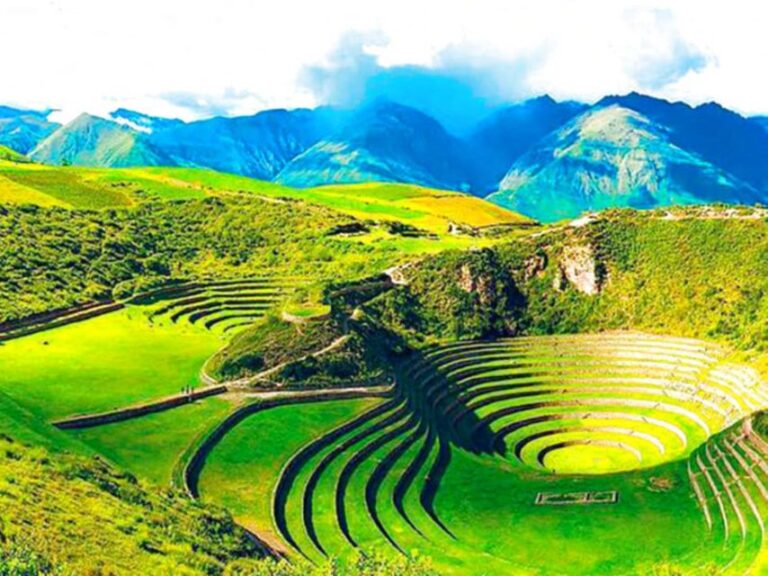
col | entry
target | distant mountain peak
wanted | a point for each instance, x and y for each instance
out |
(86, 118)
(543, 100)
(22, 130)
(614, 155)
(90, 140)
(143, 122)
(509, 131)
(386, 142)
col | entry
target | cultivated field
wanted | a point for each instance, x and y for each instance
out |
(78, 187)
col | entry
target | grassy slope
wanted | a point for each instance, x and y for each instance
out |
(93, 188)
(270, 343)
(149, 447)
(572, 531)
(67, 261)
(613, 157)
(9, 155)
(72, 187)
(105, 363)
(74, 256)
(422, 207)
(691, 275)
(88, 519)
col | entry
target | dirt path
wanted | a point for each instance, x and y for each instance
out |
(264, 374)
(315, 393)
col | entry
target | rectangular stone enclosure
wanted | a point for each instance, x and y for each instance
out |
(569, 498)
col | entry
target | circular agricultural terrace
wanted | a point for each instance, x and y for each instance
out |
(488, 455)
(224, 305)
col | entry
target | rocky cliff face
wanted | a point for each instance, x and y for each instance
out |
(578, 268)
(481, 284)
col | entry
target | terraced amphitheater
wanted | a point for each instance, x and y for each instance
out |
(223, 306)
(586, 404)
(488, 453)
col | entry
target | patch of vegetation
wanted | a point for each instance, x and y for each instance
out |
(54, 508)
(760, 424)
(58, 506)
(53, 258)
(258, 448)
(270, 343)
(9, 155)
(20, 560)
(697, 273)
(456, 295)
(353, 363)
(106, 363)
(363, 565)
(73, 187)
(417, 206)
(150, 446)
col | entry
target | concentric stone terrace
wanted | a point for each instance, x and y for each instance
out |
(567, 408)
(222, 305)
(586, 404)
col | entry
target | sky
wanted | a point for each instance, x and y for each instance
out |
(195, 59)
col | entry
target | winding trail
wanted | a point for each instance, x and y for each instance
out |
(264, 374)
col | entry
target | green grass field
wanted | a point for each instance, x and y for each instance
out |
(150, 446)
(421, 207)
(453, 464)
(105, 363)
(241, 472)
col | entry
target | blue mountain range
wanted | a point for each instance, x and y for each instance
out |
(547, 159)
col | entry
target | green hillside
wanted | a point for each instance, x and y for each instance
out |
(55, 507)
(92, 141)
(690, 271)
(426, 208)
(9, 155)
(77, 187)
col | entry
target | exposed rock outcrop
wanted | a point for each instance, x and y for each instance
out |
(481, 284)
(578, 267)
(535, 265)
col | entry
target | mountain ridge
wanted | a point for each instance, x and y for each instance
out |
(93, 141)
(714, 153)
(22, 130)
(385, 142)
(613, 156)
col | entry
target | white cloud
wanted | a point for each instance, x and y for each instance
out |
(193, 58)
